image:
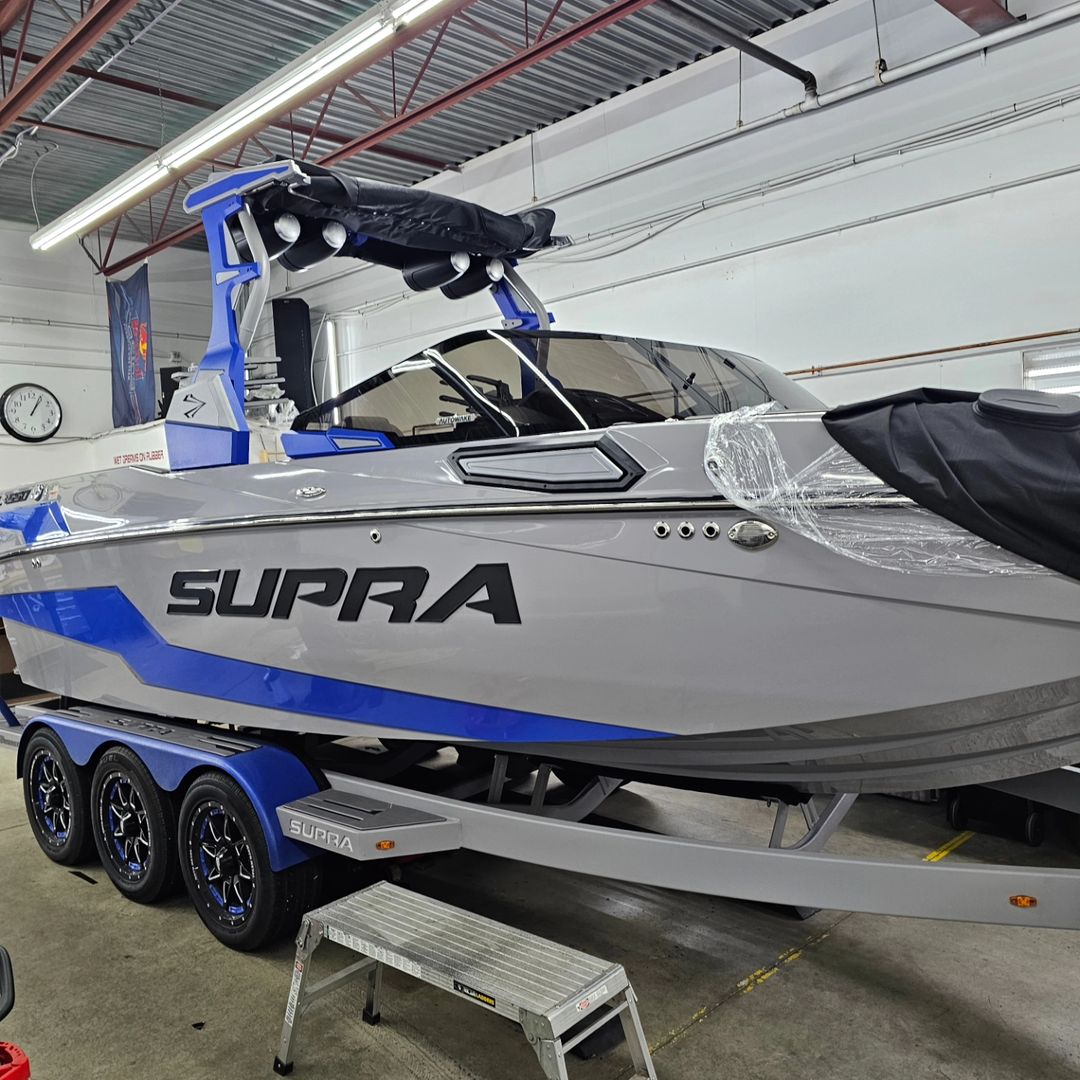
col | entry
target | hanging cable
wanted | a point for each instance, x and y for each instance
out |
(880, 66)
(12, 151)
(738, 119)
(37, 161)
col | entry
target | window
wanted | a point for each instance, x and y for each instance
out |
(505, 373)
(634, 380)
(503, 384)
(1057, 371)
(411, 402)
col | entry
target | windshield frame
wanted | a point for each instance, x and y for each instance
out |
(772, 383)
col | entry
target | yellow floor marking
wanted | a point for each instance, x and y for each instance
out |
(949, 848)
(788, 956)
(744, 986)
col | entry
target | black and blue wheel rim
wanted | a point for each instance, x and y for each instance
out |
(50, 797)
(222, 863)
(124, 826)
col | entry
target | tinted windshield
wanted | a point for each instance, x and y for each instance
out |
(506, 383)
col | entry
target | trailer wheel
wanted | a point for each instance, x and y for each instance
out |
(226, 867)
(1033, 829)
(956, 814)
(54, 790)
(134, 827)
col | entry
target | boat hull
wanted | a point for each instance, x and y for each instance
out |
(566, 627)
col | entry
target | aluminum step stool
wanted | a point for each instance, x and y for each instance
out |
(546, 988)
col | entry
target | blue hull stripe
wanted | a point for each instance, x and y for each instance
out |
(107, 619)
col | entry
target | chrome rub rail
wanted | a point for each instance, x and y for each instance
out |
(342, 517)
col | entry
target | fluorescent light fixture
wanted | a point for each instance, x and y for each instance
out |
(112, 198)
(412, 9)
(294, 84)
(276, 99)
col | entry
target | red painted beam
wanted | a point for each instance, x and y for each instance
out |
(983, 16)
(86, 33)
(549, 20)
(15, 64)
(118, 80)
(523, 59)
(112, 140)
(533, 54)
(155, 248)
(9, 14)
(303, 130)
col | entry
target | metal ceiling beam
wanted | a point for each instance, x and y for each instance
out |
(166, 94)
(512, 65)
(102, 137)
(21, 47)
(84, 35)
(9, 14)
(525, 58)
(118, 80)
(983, 16)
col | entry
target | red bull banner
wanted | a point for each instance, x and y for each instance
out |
(134, 392)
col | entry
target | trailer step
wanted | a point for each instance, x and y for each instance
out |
(547, 988)
(364, 828)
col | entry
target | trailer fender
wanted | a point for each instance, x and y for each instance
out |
(269, 775)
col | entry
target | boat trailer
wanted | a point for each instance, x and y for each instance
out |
(368, 819)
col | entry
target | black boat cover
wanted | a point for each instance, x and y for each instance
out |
(1004, 465)
(411, 219)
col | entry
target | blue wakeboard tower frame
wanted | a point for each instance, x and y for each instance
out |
(255, 215)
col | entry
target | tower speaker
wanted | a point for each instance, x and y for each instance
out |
(292, 342)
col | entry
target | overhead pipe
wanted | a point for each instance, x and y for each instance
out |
(1038, 24)
(924, 355)
(883, 77)
(743, 45)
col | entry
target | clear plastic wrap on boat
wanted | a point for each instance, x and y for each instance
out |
(838, 503)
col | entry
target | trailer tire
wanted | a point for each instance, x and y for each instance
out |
(226, 867)
(57, 806)
(134, 827)
(956, 813)
(1034, 829)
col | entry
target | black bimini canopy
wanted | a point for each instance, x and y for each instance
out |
(1004, 465)
(400, 221)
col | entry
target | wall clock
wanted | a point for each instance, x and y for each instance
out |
(30, 412)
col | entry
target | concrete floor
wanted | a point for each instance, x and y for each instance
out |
(109, 989)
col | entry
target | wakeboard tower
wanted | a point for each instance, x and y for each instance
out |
(300, 215)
